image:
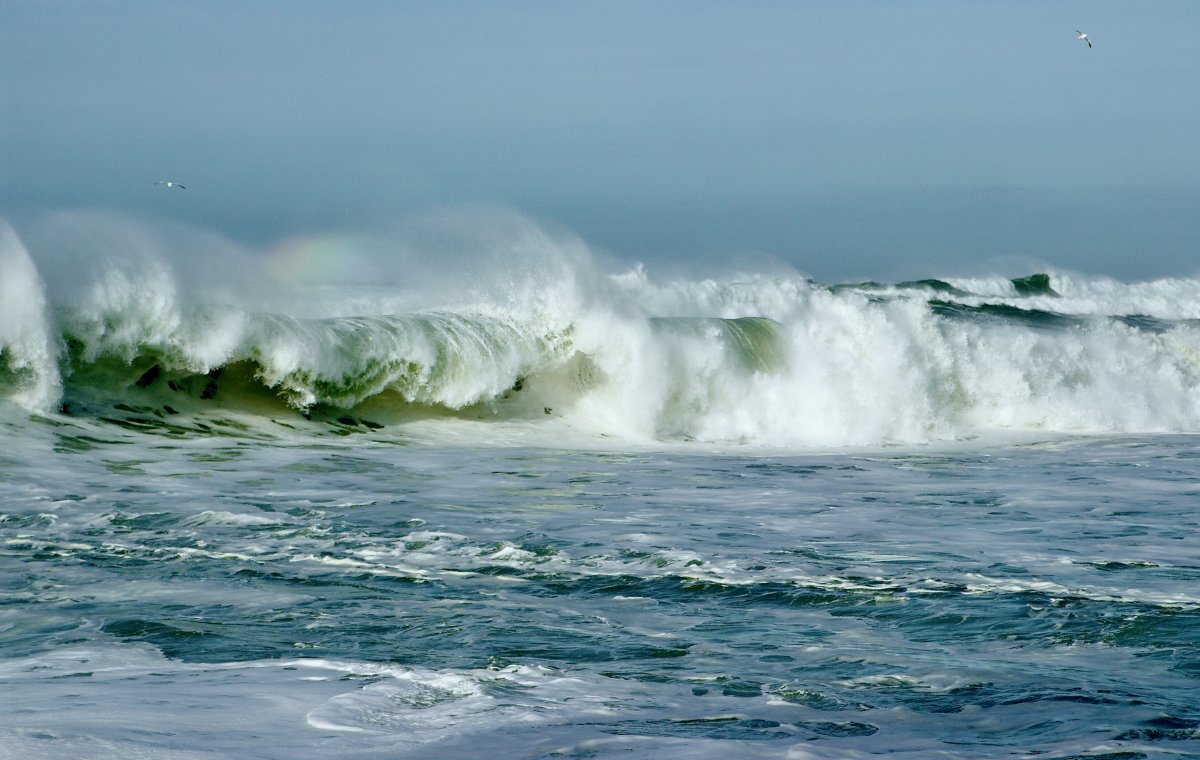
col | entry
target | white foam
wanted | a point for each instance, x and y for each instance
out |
(215, 517)
(624, 355)
(28, 347)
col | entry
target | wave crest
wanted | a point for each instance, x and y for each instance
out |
(765, 360)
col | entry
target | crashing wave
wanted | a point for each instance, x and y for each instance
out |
(763, 360)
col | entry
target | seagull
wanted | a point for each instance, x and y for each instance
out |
(170, 183)
(1083, 36)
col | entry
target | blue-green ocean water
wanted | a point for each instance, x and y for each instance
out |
(523, 507)
(245, 592)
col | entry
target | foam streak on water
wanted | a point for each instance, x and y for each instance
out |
(300, 596)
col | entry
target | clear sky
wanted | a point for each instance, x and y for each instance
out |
(851, 140)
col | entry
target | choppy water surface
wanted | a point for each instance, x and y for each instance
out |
(279, 595)
(491, 497)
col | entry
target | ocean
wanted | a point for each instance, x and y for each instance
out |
(535, 505)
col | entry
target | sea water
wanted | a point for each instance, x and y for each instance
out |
(566, 512)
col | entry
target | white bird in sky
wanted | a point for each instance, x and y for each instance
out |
(170, 183)
(1083, 36)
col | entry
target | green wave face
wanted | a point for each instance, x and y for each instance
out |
(1034, 285)
(759, 343)
(937, 286)
(1006, 313)
(15, 374)
(438, 360)
(748, 344)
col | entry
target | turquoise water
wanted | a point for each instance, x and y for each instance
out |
(284, 594)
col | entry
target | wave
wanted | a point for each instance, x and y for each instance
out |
(546, 335)
(28, 354)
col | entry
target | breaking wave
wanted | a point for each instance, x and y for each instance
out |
(527, 328)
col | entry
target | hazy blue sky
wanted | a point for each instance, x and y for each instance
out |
(851, 139)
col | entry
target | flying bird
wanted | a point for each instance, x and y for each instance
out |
(170, 183)
(1083, 36)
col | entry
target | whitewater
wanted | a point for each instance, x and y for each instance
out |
(467, 487)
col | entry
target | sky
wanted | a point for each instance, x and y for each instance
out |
(849, 140)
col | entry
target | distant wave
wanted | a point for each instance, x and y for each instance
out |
(753, 359)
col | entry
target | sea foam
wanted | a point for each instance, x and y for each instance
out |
(28, 351)
(532, 328)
